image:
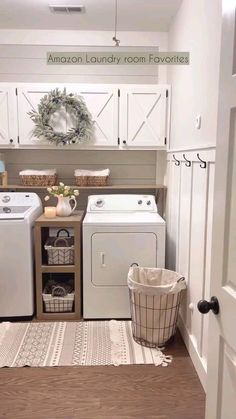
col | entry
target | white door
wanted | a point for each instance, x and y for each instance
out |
(8, 121)
(101, 101)
(221, 374)
(144, 116)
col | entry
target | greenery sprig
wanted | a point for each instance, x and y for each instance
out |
(75, 106)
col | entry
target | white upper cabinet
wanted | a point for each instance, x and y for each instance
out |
(101, 101)
(144, 111)
(8, 120)
(28, 98)
(124, 116)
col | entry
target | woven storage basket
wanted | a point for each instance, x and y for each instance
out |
(81, 180)
(91, 180)
(91, 177)
(58, 304)
(60, 250)
(38, 180)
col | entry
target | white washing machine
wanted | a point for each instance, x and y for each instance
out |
(18, 211)
(118, 230)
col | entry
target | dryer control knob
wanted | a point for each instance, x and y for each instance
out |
(148, 202)
(99, 203)
(6, 198)
(140, 202)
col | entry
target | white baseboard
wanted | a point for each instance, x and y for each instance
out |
(194, 355)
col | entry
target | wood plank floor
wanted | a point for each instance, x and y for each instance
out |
(140, 392)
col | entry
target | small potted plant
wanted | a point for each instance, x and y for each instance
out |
(65, 194)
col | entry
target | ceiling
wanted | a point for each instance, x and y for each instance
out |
(133, 15)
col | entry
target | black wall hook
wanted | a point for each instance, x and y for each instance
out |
(177, 162)
(203, 163)
(188, 162)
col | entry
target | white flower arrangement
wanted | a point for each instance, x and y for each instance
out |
(61, 190)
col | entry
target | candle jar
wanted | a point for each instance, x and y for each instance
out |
(50, 212)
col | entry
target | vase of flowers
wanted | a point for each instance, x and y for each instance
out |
(65, 195)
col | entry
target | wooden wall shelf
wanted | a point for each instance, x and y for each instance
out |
(149, 186)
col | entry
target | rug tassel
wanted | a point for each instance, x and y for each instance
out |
(160, 358)
(115, 342)
(3, 329)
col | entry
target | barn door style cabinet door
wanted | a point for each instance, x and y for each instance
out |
(144, 111)
(28, 98)
(101, 101)
(124, 116)
(8, 117)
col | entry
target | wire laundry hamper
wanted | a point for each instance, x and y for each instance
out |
(155, 297)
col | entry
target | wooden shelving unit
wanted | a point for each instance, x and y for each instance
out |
(41, 232)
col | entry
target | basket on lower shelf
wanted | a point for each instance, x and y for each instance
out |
(58, 303)
(38, 177)
(91, 177)
(60, 250)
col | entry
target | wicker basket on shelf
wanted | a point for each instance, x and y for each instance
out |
(60, 249)
(38, 177)
(91, 178)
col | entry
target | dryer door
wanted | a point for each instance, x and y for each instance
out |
(113, 253)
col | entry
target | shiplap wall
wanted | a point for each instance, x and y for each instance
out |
(189, 227)
(23, 59)
(127, 167)
(27, 63)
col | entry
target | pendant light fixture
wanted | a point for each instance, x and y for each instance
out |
(117, 41)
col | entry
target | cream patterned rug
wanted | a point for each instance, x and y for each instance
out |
(73, 343)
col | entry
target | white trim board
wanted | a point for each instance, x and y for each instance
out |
(198, 362)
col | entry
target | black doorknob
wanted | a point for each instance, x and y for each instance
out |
(205, 306)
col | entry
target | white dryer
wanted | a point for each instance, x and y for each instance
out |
(18, 210)
(118, 230)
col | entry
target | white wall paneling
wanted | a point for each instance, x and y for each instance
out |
(8, 116)
(23, 57)
(196, 28)
(173, 195)
(189, 223)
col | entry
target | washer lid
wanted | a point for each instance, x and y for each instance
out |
(17, 205)
(13, 212)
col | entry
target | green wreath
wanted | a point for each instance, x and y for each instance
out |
(75, 106)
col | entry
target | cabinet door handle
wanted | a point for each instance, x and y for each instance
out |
(102, 257)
